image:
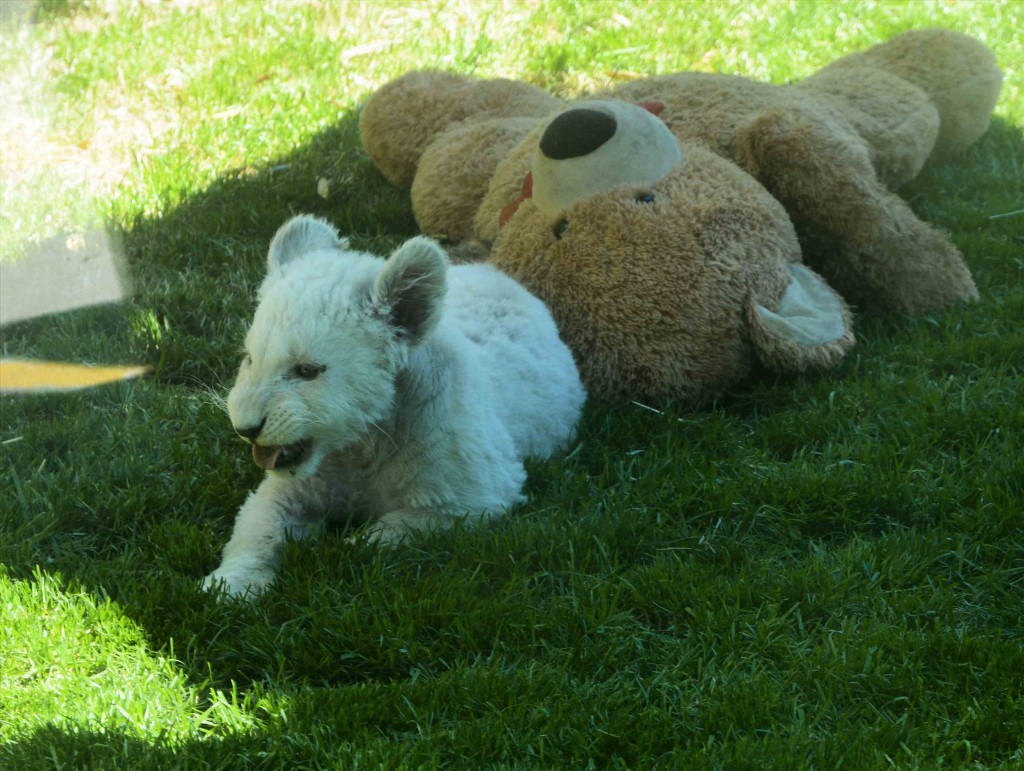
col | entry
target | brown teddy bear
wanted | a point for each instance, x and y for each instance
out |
(659, 219)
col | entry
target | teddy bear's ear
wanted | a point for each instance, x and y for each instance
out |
(411, 288)
(810, 329)
(301, 235)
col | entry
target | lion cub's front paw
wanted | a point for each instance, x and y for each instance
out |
(238, 583)
(396, 527)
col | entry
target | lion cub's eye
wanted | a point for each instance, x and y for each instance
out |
(645, 198)
(308, 371)
(560, 228)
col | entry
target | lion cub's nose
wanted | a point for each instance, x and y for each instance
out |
(251, 432)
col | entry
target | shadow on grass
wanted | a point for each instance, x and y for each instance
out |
(202, 261)
(53, 747)
(194, 270)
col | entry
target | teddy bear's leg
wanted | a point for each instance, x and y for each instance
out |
(455, 172)
(868, 243)
(405, 115)
(895, 118)
(958, 73)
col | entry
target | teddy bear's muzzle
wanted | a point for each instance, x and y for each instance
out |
(589, 149)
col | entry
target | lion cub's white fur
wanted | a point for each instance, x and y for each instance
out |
(401, 392)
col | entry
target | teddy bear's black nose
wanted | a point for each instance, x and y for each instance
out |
(576, 133)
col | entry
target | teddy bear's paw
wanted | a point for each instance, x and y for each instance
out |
(929, 279)
(908, 267)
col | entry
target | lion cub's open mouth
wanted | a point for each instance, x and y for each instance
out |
(279, 458)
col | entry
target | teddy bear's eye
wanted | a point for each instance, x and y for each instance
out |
(645, 198)
(560, 228)
(308, 371)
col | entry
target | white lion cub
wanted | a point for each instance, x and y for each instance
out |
(399, 392)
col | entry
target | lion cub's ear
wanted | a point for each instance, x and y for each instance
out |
(411, 288)
(301, 235)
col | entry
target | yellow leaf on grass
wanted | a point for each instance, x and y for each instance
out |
(20, 375)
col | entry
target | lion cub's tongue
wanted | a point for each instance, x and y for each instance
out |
(265, 457)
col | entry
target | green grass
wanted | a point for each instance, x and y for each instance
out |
(816, 572)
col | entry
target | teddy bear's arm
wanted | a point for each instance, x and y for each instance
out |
(828, 148)
(864, 239)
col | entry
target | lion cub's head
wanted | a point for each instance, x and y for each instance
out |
(332, 329)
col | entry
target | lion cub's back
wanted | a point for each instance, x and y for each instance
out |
(532, 375)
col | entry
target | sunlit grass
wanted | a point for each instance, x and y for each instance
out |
(816, 572)
(76, 663)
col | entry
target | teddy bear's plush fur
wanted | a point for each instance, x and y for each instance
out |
(401, 392)
(670, 279)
